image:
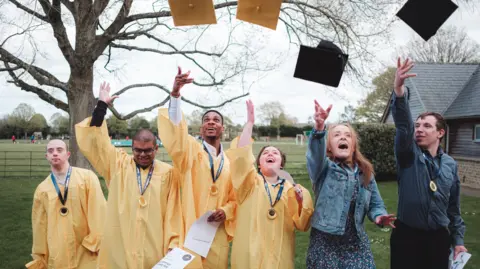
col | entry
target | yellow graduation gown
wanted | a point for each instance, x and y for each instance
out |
(190, 158)
(135, 237)
(71, 241)
(261, 242)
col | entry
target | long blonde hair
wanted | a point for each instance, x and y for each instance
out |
(357, 157)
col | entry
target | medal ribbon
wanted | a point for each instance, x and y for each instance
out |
(431, 165)
(63, 199)
(279, 194)
(220, 167)
(147, 181)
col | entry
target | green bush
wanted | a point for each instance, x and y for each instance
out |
(376, 143)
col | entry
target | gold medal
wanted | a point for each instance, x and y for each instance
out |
(213, 190)
(63, 211)
(433, 186)
(272, 214)
(142, 201)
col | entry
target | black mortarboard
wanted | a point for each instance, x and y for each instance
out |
(324, 64)
(425, 17)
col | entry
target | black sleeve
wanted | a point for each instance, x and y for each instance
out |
(99, 114)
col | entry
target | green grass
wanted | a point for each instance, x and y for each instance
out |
(17, 192)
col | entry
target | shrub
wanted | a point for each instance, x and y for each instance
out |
(376, 143)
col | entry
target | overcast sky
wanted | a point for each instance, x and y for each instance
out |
(137, 67)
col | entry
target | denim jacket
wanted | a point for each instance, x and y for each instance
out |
(418, 206)
(333, 187)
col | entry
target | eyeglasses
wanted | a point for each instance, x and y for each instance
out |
(146, 151)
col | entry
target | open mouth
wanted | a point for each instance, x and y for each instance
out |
(270, 160)
(343, 145)
(211, 129)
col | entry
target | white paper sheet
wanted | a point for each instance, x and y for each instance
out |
(201, 234)
(175, 259)
(460, 261)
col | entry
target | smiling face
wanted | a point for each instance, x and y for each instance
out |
(270, 159)
(57, 153)
(427, 133)
(341, 142)
(212, 126)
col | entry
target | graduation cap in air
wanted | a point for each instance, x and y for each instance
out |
(425, 17)
(324, 64)
(261, 12)
(192, 12)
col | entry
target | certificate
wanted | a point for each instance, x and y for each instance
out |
(201, 234)
(175, 259)
(461, 260)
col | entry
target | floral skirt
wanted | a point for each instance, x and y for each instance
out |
(348, 251)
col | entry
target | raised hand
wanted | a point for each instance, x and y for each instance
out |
(180, 81)
(321, 116)
(250, 112)
(104, 94)
(386, 220)
(401, 75)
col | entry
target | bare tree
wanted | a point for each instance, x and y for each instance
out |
(449, 45)
(104, 27)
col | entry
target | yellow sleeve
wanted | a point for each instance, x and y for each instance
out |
(96, 208)
(173, 222)
(301, 215)
(181, 147)
(95, 145)
(242, 170)
(39, 234)
(230, 209)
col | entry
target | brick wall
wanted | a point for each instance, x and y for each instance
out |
(469, 171)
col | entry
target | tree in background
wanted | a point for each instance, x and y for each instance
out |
(20, 117)
(59, 124)
(449, 45)
(348, 114)
(38, 123)
(372, 107)
(273, 114)
(102, 28)
(117, 128)
(137, 123)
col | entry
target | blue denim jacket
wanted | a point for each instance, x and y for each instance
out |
(333, 187)
(418, 206)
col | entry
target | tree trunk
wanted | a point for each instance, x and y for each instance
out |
(81, 104)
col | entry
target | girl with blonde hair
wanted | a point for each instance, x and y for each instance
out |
(345, 192)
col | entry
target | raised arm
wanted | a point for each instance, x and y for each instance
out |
(404, 136)
(39, 233)
(93, 139)
(173, 129)
(457, 225)
(96, 208)
(242, 163)
(317, 148)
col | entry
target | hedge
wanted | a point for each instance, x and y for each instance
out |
(376, 143)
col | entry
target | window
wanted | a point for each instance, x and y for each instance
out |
(476, 133)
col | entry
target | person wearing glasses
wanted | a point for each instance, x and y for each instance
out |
(68, 214)
(143, 219)
(429, 221)
(205, 171)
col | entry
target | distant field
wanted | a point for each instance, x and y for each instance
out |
(16, 201)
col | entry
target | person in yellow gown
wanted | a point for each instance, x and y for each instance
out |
(143, 218)
(67, 215)
(270, 208)
(205, 173)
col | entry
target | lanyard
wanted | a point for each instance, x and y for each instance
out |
(433, 166)
(63, 199)
(220, 167)
(147, 181)
(279, 194)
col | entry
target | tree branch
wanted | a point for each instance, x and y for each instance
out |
(29, 11)
(39, 92)
(40, 75)
(130, 48)
(138, 111)
(69, 5)
(59, 32)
